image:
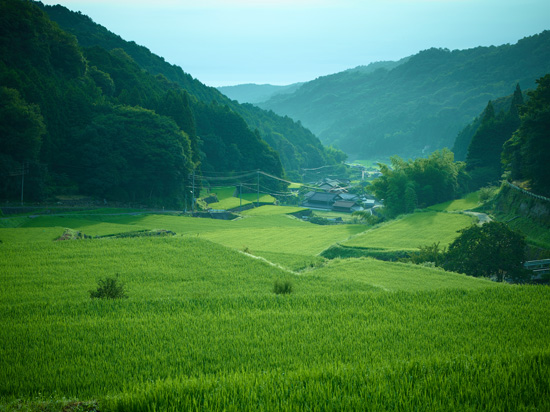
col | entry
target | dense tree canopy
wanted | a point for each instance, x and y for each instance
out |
(483, 160)
(91, 121)
(527, 154)
(296, 146)
(132, 154)
(492, 250)
(421, 182)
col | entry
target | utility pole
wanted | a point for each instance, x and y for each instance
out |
(193, 194)
(22, 182)
(258, 203)
(240, 197)
(24, 167)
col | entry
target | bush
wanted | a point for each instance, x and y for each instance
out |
(109, 288)
(282, 287)
(487, 193)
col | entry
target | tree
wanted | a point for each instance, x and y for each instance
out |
(422, 182)
(483, 160)
(527, 154)
(492, 250)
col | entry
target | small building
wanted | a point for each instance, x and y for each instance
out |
(320, 200)
(348, 197)
(347, 206)
(368, 203)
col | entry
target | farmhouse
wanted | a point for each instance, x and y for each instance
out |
(350, 197)
(317, 200)
(331, 185)
(347, 206)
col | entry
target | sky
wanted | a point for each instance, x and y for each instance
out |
(280, 42)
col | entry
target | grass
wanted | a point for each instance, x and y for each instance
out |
(534, 232)
(398, 276)
(470, 201)
(201, 328)
(227, 199)
(412, 231)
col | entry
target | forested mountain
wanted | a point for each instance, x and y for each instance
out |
(92, 121)
(417, 106)
(281, 133)
(256, 93)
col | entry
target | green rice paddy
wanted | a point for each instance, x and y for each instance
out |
(203, 330)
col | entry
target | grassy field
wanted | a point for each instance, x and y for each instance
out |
(202, 328)
(470, 201)
(227, 200)
(412, 231)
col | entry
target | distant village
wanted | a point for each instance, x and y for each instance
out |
(332, 195)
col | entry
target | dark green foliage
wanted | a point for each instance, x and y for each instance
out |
(483, 160)
(109, 288)
(319, 220)
(429, 253)
(93, 122)
(132, 154)
(421, 182)
(345, 252)
(282, 287)
(492, 250)
(526, 154)
(296, 145)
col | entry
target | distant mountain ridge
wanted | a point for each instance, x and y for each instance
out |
(416, 106)
(259, 93)
(256, 93)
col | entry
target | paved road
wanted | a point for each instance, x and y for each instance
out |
(482, 217)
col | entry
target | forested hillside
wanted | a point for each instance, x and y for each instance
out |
(90, 121)
(418, 106)
(301, 147)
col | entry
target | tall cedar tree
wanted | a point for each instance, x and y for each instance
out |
(483, 160)
(527, 154)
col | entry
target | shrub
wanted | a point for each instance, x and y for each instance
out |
(487, 193)
(282, 287)
(109, 288)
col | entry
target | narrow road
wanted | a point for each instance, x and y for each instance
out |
(482, 217)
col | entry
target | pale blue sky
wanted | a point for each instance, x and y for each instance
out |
(227, 42)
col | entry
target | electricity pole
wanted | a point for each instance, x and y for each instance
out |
(193, 194)
(258, 203)
(22, 182)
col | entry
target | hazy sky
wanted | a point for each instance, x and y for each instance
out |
(226, 42)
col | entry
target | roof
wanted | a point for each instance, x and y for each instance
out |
(344, 204)
(322, 197)
(348, 196)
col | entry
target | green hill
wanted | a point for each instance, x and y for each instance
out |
(298, 147)
(417, 106)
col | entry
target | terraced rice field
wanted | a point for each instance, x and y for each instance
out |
(202, 328)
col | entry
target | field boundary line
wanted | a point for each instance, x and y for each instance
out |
(276, 265)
